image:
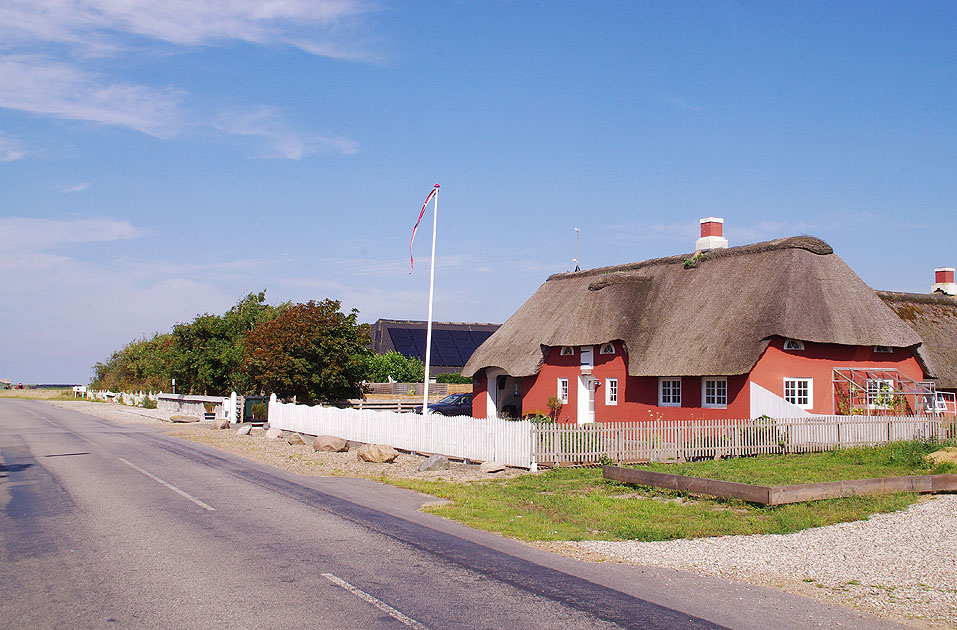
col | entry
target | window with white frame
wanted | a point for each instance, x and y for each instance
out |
(567, 351)
(611, 391)
(607, 348)
(714, 392)
(799, 391)
(880, 393)
(669, 392)
(563, 390)
(793, 344)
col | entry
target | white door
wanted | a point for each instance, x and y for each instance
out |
(586, 399)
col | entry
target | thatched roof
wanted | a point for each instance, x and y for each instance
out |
(712, 318)
(934, 317)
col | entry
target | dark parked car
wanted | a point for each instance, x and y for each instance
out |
(451, 405)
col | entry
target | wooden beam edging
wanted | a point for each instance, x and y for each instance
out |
(780, 495)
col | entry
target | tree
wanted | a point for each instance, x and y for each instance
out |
(144, 364)
(402, 369)
(213, 347)
(311, 351)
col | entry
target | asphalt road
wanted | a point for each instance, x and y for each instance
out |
(116, 526)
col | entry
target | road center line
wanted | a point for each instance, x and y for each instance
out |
(392, 612)
(168, 485)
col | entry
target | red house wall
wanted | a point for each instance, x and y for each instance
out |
(817, 361)
(638, 396)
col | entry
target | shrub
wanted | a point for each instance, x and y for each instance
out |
(149, 403)
(452, 377)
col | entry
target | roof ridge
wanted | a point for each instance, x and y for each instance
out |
(925, 298)
(809, 243)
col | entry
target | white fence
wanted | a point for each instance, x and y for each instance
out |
(525, 445)
(709, 439)
(469, 438)
(130, 399)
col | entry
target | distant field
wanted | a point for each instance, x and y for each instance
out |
(38, 394)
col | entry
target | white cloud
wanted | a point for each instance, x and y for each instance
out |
(37, 85)
(677, 102)
(281, 142)
(78, 188)
(320, 27)
(10, 149)
(22, 233)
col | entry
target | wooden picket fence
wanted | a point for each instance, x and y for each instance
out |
(685, 440)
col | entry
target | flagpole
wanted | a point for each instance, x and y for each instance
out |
(428, 328)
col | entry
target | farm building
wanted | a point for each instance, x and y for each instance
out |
(783, 328)
(452, 342)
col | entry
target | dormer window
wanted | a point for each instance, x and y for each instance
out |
(883, 349)
(793, 344)
(607, 348)
(568, 351)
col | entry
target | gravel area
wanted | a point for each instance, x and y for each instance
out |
(901, 565)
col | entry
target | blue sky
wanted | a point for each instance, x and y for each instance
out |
(160, 160)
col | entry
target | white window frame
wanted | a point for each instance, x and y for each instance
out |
(874, 394)
(796, 380)
(567, 351)
(883, 350)
(563, 390)
(607, 348)
(718, 403)
(611, 391)
(661, 391)
(795, 344)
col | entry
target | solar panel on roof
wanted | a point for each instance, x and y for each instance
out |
(449, 347)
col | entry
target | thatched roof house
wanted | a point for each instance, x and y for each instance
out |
(707, 319)
(933, 316)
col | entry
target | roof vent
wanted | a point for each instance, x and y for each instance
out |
(711, 238)
(944, 281)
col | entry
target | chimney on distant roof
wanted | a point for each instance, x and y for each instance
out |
(711, 228)
(944, 281)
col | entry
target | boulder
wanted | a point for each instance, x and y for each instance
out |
(220, 423)
(330, 444)
(179, 418)
(274, 433)
(377, 453)
(246, 429)
(294, 439)
(491, 467)
(435, 462)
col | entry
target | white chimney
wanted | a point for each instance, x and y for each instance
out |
(711, 228)
(944, 281)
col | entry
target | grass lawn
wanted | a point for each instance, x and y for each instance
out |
(39, 394)
(578, 504)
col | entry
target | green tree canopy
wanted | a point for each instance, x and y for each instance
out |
(380, 367)
(204, 356)
(311, 351)
(212, 347)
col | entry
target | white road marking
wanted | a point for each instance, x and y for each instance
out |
(392, 612)
(168, 485)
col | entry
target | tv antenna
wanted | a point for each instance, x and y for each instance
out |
(578, 233)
